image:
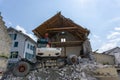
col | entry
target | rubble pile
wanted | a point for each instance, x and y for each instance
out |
(85, 70)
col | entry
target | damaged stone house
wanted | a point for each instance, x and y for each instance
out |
(5, 43)
(4, 39)
(65, 34)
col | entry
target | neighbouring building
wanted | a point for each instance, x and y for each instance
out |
(104, 58)
(116, 53)
(5, 43)
(65, 34)
(22, 45)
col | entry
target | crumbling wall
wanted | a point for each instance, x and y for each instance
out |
(4, 39)
(4, 46)
(87, 50)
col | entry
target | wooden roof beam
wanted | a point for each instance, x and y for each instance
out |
(40, 34)
(72, 23)
(69, 42)
(36, 33)
(65, 28)
(79, 35)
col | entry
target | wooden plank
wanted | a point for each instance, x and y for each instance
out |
(74, 24)
(79, 35)
(65, 28)
(66, 45)
(36, 33)
(67, 42)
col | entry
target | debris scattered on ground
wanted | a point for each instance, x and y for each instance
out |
(85, 70)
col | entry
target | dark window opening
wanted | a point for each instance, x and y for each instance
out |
(29, 56)
(14, 54)
(31, 48)
(28, 46)
(13, 36)
(16, 44)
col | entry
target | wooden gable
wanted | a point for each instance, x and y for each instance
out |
(59, 23)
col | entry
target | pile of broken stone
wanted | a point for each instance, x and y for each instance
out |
(85, 70)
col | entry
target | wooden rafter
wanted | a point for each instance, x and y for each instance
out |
(73, 24)
(74, 34)
(53, 19)
(59, 23)
(39, 33)
(63, 28)
(36, 33)
(67, 42)
(82, 35)
(79, 35)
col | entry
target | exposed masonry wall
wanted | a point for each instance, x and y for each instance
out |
(4, 39)
(104, 59)
(5, 42)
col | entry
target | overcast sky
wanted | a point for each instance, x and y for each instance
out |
(101, 17)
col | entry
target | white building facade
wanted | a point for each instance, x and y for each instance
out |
(22, 45)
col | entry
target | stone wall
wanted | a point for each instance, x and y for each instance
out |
(5, 42)
(104, 59)
(4, 39)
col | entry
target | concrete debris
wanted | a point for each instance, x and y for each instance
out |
(85, 70)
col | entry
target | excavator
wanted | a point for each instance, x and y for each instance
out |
(45, 56)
